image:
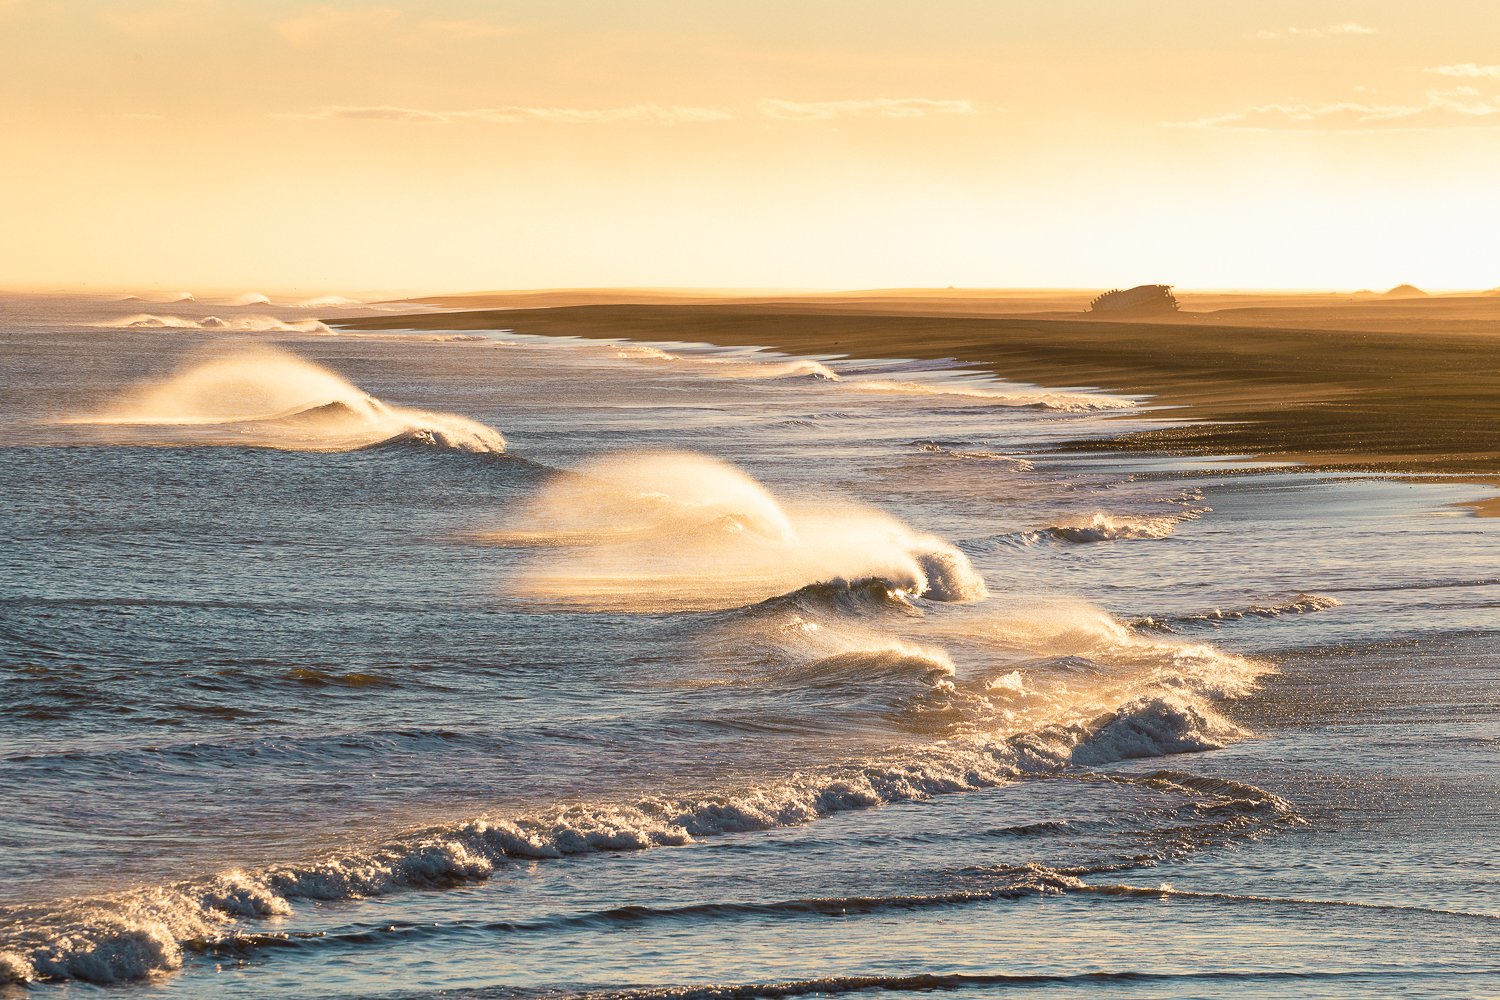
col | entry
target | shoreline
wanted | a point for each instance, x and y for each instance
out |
(1412, 403)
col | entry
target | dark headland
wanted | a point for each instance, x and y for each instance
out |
(1334, 382)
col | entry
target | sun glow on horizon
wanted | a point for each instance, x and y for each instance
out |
(459, 145)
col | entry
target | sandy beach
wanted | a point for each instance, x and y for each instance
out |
(1388, 386)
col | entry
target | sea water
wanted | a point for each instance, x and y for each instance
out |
(375, 664)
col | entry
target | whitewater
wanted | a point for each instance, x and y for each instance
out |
(352, 664)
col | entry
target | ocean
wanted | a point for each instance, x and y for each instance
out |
(347, 664)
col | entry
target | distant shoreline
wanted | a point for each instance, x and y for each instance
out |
(1414, 402)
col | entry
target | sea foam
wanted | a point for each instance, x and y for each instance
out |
(131, 935)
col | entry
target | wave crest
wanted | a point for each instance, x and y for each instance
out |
(1297, 604)
(1102, 527)
(272, 399)
(752, 367)
(997, 394)
(235, 324)
(677, 531)
(134, 934)
(975, 455)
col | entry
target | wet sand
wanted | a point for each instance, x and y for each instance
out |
(1274, 377)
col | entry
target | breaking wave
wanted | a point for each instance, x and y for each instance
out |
(131, 935)
(1102, 527)
(645, 352)
(250, 299)
(995, 394)
(675, 531)
(272, 399)
(1297, 604)
(800, 368)
(1062, 665)
(328, 302)
(235, 324)
(754, 367)
(976, 455)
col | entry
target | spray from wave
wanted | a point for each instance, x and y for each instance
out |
(234, 324)
(328, 302)
(269, 398)
(250, 299)
(678, 531)
(1039, 667)
(1053, 666)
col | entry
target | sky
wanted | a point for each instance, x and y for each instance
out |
(284, 145)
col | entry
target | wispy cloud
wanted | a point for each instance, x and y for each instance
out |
(1461, 107)
(510, 115)
(331, 25)
(1327, 31)
(661, 114)
(1469, 70)
(877, 107)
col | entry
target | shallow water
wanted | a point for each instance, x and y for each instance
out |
(304, 698)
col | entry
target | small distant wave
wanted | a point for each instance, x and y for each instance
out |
(269, 398)
(1297, 604)
(998, 395)
(235, 324)
(978, 455)
(1104, 527)
(753, 367)
(675, 531)
(313, 677)
(645, 352)
(418, 338)
(328, 302)
(804, 368)
(945, 982)
(250, 299)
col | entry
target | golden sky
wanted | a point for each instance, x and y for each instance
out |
(457, 144)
